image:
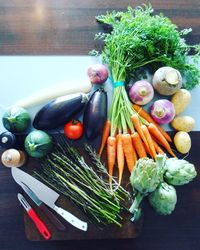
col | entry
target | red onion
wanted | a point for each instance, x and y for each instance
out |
(98, 73)
(141, 92)
(162, 111)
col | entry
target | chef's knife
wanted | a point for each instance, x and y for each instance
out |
(43, 207)
(47, 195)
(38, 222)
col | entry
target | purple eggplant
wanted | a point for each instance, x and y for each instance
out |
(95, 114)
(59, 111)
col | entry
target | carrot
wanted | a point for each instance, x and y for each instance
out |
(144, 114)
(111, 156)
(137, 126)
(149, 139)
(158, 148)
(156, 133)
(147, 150)
(137, 143)
(129, 151)
(106, 132)
(120, 157)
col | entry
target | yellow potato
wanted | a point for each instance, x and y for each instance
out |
(183, 123)
(181, 100)
(182, 142)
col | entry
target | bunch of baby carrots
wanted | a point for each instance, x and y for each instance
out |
(145, 138)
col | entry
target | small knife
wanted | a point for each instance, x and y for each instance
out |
(43, 207)
(34, 217)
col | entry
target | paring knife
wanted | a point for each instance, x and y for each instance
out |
(38, 222)
(47, 195)
(43, 207)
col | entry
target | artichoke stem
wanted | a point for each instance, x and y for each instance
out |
(136, 203)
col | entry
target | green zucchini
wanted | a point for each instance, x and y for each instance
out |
(16, 119)
(38, 143)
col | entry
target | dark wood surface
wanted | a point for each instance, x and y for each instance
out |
(68, 27)
(37, 27)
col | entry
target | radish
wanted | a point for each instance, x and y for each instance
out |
(97, 73)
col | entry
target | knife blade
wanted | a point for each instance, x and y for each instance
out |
(43, 207)
(34, 217)
(47, 195)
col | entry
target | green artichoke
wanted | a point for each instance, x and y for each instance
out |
(145, 177)
(163, 199)
(179, 172)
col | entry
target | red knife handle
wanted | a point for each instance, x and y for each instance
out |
(39, 224)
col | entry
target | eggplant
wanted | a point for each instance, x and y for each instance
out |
(95, 114)
(7, 140)
(59, 111)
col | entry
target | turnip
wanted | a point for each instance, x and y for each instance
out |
(97, 73)
(162, 111)
(141, 92)
(167, 80)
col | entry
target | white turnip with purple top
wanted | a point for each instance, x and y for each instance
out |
(141, 92)
(162, 111)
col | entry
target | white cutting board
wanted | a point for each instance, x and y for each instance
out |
(22, 75)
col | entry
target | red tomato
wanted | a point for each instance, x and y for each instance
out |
(73, 129)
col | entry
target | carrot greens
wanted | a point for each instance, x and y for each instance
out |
(141, 38)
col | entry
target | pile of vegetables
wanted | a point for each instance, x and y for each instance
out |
(130, 133)
(156, 179)
(143, 140)
(139, 39)
(65, 170)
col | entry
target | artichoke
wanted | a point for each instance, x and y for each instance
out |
(163, 199)
(147, 174)
(145, 177)
(179, 172)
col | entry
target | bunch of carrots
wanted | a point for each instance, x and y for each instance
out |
(146, 139)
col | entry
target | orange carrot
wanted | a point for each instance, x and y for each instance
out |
(138, 145)
(156, 133)
(158, 148)
(111, 156)
(106, 132)
(120, 157)
(149, 139)
(129, 151)
(147, 150)
(144, 114)
(137, 126)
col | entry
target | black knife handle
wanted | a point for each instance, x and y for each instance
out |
(52, 217)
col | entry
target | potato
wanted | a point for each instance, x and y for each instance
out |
(183, 123)
(181, 100)
(182, 142)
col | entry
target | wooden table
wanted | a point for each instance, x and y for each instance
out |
(67, 28)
